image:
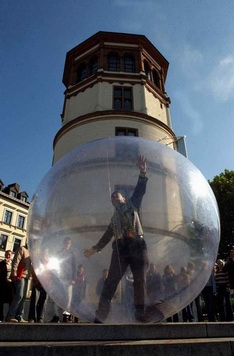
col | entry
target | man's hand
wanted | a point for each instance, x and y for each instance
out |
(89, 252)
(141, 160)
(14, 278)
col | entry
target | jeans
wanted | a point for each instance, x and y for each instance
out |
(16, 309)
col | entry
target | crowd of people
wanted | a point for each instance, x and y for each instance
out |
(214, 301)
(129, 258)
(212, 304)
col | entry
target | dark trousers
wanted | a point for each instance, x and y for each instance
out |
(197, 301)
(208, 297)
(224, 304)
(187, 314)
(6, 296)
(174, 318)
(38, 301)
(126, 252)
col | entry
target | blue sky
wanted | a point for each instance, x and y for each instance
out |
(195, 36)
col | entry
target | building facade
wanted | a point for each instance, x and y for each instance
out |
(13, 217)
(115, 85)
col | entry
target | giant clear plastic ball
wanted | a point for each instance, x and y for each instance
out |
(72, 209)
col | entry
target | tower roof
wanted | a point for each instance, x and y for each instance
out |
(102, 38)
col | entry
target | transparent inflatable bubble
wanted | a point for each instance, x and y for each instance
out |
(158, 245)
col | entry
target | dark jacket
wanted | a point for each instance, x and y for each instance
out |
(131, 208)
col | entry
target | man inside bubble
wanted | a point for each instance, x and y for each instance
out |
(129, 248)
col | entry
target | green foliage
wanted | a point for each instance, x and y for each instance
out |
(223, 188)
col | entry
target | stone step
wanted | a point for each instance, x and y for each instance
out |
(109, 332)
(169, 339)
(166, 347)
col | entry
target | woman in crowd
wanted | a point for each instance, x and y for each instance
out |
(6, 285)
(170, 287)
(223, 292)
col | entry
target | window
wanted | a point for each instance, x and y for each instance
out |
(23, 198)
(17, 244)
(156, 79)
(21, 220)
(13, 194)
(113, 62)
(121, 153)
(122, 98)
(147, 70)
(129, 64)
(81, 72)
(7, 217)
(3, 241)
(93, 66)
(125, 131)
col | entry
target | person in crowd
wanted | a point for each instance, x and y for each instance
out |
(197, 300)
(170, 287)
(6, 285)
(38, 301)
(229, 266)
(183, 281)
(128, 293)
(79, 290)
(129, 248)
(208, 294)
(20, 275)
(100, 282)
(66, 278)
(154, 284)
(223, 292)
(67, 273)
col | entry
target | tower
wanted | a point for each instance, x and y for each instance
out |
(115, 85)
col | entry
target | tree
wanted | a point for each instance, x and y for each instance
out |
(223, 188)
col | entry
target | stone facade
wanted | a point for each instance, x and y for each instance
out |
(13, 218)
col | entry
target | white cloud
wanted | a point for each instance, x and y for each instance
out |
(191, 61)
(190, 112)
(221, 79)
(218, 80)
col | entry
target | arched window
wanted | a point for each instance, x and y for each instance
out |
(81, 72)
(147, 70)
(129, 63)
(113, 62)
(156, 78)
(93, 66)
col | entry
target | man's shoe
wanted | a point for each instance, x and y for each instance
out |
(31, 320)
(11, 320)
(97, 321)
(55, 319)
(21, 320)
(40, 321)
